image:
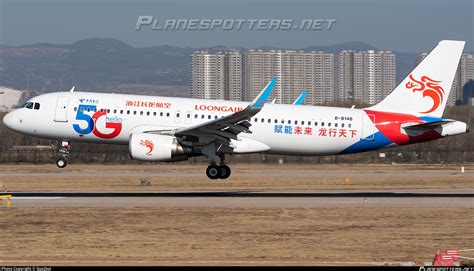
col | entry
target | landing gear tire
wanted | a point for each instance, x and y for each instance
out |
(225, 171)
(64, 152)
(213, 172)
(61, 162)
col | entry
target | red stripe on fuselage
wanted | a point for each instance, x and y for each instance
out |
(389, 124)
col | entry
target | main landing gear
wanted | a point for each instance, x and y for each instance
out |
(214, 171)
(64, 153)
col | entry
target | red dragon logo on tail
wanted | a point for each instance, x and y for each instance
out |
(430, 88)
(147, 143)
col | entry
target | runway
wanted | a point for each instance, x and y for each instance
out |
(241, 199)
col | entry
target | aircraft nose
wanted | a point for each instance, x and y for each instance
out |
(10, 120)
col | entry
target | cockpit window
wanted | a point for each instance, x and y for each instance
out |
(37, 106)
(29, 105)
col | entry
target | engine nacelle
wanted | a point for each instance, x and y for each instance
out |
(157, 148)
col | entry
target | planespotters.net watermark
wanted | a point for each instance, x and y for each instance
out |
(149, 22)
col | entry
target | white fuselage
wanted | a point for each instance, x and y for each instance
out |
(285, 129)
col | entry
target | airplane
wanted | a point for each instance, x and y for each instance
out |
(167, 129)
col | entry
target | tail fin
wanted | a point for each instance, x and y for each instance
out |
(426, 89)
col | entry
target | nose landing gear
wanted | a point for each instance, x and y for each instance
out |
(64, 153)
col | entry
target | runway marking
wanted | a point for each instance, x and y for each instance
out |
(36, 198)
(247, 194)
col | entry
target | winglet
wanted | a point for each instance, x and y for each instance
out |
(301, 98)
(72, 89)
(261, 99)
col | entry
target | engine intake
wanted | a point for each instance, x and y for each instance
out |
(157, 148)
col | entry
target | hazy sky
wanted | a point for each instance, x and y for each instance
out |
(402, 25)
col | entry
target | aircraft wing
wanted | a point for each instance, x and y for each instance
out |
(224, 129)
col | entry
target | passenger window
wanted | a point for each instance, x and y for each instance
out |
(309, 122)
(322, 124)
(128, 112)
(168, 114)
(289, 121)
(215, 117)
(269, 120)
(349, 125)
(108, 110)
(296, 122)
(154, 113)
(329, 124)
(302, 122)
(195, 116)
(115, 111)
(276, 121)
(134, 112)
(37, 106)
(177, 115)
(188, 116)
(262, 120)
(75, 109)
(335, 124)
(141, 113)
(161, 114)
(202, 116)
(255, 120)
(342, 125)
(209, 117)
(148, 113)
(121, 111)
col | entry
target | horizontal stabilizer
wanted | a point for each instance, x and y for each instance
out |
(428, 125)
(445, 127)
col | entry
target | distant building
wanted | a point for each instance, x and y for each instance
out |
(233, 76)
(207, 75)
(365, 76)
(216, 75)
(464, 73)
(468, 93)
(296, 71)
(9, 98)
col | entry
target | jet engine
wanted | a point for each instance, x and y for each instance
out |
(157, 148)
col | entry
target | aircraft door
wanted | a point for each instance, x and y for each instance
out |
(61, 109)
(368, 127)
